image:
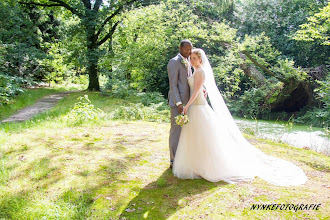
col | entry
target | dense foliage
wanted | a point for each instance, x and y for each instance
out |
(279, 20)
(270, 58)
(26, 34)
(317, 28)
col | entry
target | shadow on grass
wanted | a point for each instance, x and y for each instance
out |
(75, 193)
(12, 203)
(317, 165)
(165, 196)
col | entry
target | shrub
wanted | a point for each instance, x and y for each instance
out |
(138, 111)
(120, 89)
(318, 117)
(150, 98)
(10, 86)
(83, 111)
(251, 104)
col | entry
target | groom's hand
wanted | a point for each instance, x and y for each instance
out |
(180, 108)
(205, 93)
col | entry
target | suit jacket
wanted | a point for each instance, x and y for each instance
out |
(177, 75)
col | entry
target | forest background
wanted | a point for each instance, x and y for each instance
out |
(270, 58)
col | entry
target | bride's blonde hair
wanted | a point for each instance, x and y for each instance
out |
(198, 52)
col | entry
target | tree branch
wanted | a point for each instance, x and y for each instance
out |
(112, 16)
(39, 4)
(97, 5)
(87, 4)
(228, 45)
(109, 34)
(73, 11)
(262, 66)
(59, 4)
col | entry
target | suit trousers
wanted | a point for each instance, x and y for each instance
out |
(174, 133)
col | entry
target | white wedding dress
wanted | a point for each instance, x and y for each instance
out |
(212, 147)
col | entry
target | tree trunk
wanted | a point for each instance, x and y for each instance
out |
(111, 60)
(251, 71)
(90, 19)
(93, 59)
(93, 77)
(92, 53)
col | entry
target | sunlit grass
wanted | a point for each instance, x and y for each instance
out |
(29, 97)
(32, 95)
(113, 169)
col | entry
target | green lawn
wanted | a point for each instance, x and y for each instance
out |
(29, 97)
(114, 169)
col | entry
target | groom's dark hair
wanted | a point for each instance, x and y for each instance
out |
(185, 41)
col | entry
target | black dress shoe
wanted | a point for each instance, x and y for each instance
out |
(171, 165)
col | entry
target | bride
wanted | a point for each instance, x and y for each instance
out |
(211, 145)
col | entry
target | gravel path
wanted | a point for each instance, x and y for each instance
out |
(42, 105)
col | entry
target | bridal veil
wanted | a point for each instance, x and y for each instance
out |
(273, 170)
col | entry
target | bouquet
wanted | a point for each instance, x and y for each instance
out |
(181, 119)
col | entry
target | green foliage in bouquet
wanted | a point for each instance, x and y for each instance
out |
(181, 119)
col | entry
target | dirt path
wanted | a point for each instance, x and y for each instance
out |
(42, 105)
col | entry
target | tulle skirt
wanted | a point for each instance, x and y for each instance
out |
(207, 150)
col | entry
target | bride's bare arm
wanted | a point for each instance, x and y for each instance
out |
(198, 84)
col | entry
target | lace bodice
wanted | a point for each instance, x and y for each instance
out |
(200, 100)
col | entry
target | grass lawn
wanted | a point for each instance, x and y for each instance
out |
(115, 169)
(29, 97)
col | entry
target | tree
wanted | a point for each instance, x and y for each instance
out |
(99, 19)
(279, 20)
(23, 35)
(147, 39)
(317, 28)
(22, 48)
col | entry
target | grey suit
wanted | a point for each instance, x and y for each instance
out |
(179, 92)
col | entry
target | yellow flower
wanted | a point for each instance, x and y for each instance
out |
(181, 119)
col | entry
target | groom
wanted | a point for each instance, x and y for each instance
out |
(179, 69)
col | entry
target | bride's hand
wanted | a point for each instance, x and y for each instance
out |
(185, 109)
